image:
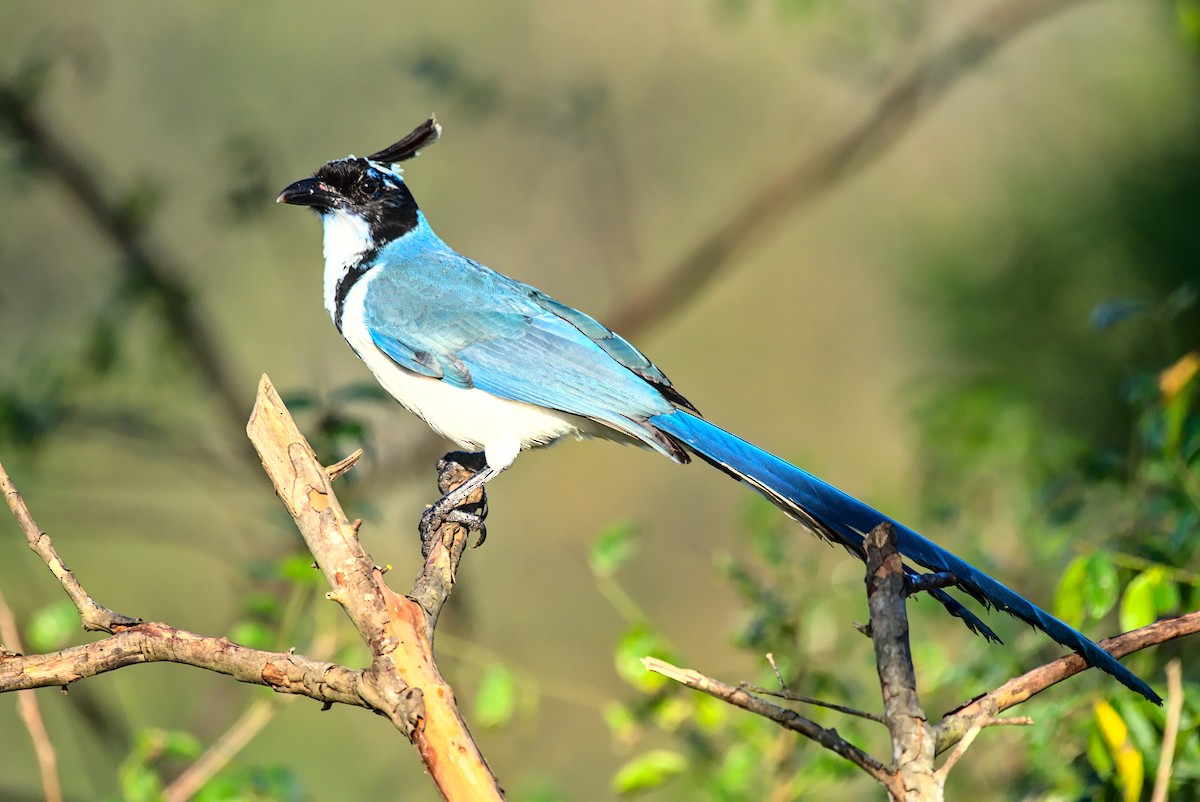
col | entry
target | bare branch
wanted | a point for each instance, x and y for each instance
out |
(1166, 757)
(31, 714)
(148, 268)
(912, 736)
(784, 693)
(790, 719)
(342, 466)
(953, 727)
(153, 642)
(403, 681)
(234, 740)
(432, 586)
(95, 617)
(910, 91)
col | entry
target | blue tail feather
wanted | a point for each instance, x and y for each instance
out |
(844, 520)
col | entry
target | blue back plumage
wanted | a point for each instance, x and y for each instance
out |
(441, 315)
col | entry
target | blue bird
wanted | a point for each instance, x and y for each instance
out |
(500, 367)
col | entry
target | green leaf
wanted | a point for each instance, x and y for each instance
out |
(253, 634)
(361, 391)
(1147, 596)
(640, 641)
(1068, 599)
(612, 548)
(496, 699)
(298, 569)
(53, 626)
(735, 775)
(621, 722)
(180, 744)
(262, 605)
(299, 401)
(1102, 587)
(139, 783)
(651, 770)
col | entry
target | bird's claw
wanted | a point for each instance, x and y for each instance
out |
(434, 518)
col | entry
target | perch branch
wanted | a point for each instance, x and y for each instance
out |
(403, 681)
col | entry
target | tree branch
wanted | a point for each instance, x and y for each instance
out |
(403, 680)
(147, 268)
(954, 726)
(153, 642)
(95, 617)
(903, 97)
(790, 719)
(1166, 757)
(31, 714)
(912, 736)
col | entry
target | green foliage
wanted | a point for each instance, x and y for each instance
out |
(139, 774)
(720, 753)
(53, 627)
(611, 549)
(1132, 525)
(496, 697)
(649, 771)
(253, 784)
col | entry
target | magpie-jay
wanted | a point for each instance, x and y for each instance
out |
(500, 367)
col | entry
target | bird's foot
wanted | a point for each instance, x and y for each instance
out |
(433, 519)
(453, 506)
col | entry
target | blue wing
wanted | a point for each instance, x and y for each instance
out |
(444, 316)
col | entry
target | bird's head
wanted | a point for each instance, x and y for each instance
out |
(366, 192)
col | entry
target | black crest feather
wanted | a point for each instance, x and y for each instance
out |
(424, 134)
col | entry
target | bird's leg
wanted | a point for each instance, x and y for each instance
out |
(449, 507)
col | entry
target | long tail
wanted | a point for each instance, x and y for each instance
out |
(845, 520)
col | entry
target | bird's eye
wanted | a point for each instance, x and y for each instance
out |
(370, 186)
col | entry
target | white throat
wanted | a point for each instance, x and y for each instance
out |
(347, 237)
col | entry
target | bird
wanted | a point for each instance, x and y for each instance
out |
(500, 367)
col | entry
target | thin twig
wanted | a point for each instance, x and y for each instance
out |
(1166, 758)
(31, 714)
(95, 617)
(234, 740)
(960, 749)
(790, 719)
(808, 700)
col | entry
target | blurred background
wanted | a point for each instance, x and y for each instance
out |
(937, 253)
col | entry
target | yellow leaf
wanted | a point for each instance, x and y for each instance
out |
(1173, 380)
(1130, 769)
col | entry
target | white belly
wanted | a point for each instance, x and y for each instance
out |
(472, 418)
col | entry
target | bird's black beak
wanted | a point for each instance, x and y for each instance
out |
(311, 192)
